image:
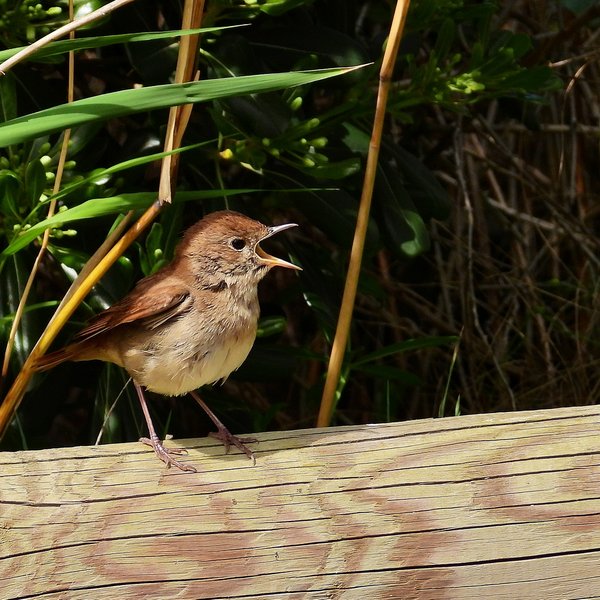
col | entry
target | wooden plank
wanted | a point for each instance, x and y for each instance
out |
(496, 506)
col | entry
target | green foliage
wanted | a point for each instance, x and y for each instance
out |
(249, 9)
(491, 69)
(277, 113)
(119, 104)
(26, 20)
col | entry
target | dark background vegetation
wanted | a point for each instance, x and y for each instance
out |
(484, 222)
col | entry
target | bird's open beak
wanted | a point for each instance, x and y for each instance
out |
(273, 261)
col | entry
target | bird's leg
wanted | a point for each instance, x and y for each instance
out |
(163, 453)
(223, 433)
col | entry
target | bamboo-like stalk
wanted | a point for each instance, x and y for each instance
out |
(192, 18)
(179, 115)
(340, 341)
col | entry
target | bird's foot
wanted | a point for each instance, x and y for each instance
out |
(165, 454)
(228, 440)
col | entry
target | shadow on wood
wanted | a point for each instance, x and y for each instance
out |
(495, 506)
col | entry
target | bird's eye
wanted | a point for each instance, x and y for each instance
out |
(237, 243)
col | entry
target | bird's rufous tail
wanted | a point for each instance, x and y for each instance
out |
(49, 361)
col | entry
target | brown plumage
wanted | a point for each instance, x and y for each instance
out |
(191, 323)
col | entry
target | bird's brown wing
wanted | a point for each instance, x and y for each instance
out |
(150, 303)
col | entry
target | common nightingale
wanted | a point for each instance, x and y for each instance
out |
(190, 324)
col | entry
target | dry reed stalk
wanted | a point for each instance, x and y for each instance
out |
(342, 332)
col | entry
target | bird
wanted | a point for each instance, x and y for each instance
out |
(190, 324)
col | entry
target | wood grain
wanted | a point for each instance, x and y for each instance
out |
(493, 506)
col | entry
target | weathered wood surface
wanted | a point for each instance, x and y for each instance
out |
(498, 506)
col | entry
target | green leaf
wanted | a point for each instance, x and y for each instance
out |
(444, 40)
(420, 236)
(477, 56)
(35, 181)
(118, 104)
(334, 213)
(154, 62)
(428, 195)
(265, 115)
(8, 98)
(399, 220)
(533, 80)
(10, 187)
(283, 46)
(389, 373)
(69, 257)
(64, 46)
(99, 207)
(275, 8)
(154, 239)
(424, 342)
(271, 326)
(321, 283)
(128, 164)
(153, 259)
(356, 139)
(520, 44)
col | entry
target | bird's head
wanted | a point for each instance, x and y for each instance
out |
(226, 245)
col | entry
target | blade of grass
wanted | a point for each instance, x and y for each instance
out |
(101, 207)
(118, 104)
(123, 166)
(442, 407)
(424, 342)
(57, 48)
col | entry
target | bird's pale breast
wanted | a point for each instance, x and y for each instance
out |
(192, 350)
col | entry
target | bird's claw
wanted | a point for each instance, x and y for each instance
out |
(165, 454)
(228, 440)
